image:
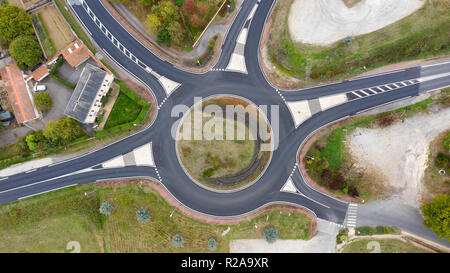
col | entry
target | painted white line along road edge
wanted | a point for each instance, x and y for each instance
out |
(20, 198)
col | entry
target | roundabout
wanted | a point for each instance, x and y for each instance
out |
(217, 177)
(224, 143)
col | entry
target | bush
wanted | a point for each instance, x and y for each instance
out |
(100, 118)
(212, 244)
(43, 101)
(178, 240)
(105, 208)
(342, 236)
(142, 215)
(436, 215)
(270, 234)
(104, 100)
(63, 131)
(365, 231)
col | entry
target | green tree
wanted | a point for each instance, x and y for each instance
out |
(14, 22)
(31, 142)
(176, 33)
(164, 37)
(63, 131)
(43, 101)
(270, 234)
(26, 50)
(142, 215)
(437, 215)
(178, 240)
(106, 208)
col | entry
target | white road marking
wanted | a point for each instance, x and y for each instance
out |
(331, 101)
(116, 162)
(300, 111)
(144, 155)
(237, 63)
(47, 191)
(289, 186)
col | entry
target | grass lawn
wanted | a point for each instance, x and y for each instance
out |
(423, 34)
(48, 222)
(124, 110)
(386, 246)
(216, 158)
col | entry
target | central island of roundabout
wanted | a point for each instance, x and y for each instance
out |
(224, 143)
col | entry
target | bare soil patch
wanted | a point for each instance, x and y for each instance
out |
(399, 152)
(58, 30)
(323, 22)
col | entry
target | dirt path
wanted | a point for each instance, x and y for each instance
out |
(399, 152)
(324, 22)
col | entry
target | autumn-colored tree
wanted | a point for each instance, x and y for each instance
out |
(195, 20)
(189, 6)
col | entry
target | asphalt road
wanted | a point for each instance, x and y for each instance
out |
(252, 86)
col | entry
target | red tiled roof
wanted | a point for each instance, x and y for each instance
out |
(18, 95)
(39, 73)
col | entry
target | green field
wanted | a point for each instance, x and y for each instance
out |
(423, 34)
(386, 246)
(46, 223)
(124, 110)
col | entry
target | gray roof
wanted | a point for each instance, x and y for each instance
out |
(83, 97)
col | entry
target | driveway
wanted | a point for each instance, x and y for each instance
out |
(60, 95)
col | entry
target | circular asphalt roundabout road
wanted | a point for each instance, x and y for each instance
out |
(252, 86)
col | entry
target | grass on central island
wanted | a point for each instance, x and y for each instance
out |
(47, 223)
(215, 158)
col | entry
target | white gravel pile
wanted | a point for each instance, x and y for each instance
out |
(324, 22)
(399, 152)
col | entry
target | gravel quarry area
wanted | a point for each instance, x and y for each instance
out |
(323, 22)
(399, 153)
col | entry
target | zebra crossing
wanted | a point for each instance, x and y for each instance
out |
(352, 215)
(358, 94)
